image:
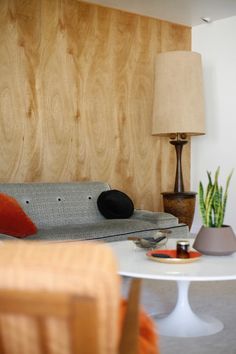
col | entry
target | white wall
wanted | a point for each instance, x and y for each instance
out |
(217, 44)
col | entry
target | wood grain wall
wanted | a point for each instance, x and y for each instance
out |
(76, 91)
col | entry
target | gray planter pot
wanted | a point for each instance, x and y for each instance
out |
(215, 241)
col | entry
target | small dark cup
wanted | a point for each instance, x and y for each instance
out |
(182, 249)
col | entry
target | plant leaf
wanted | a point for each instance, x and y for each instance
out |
(202, 203)
(213, 204)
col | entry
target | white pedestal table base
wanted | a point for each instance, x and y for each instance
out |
(183, 322)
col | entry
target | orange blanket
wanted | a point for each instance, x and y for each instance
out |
(148, 338)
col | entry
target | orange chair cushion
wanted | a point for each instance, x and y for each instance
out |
(13, 220)
(148, 338)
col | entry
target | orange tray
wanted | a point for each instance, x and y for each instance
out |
(193, 256)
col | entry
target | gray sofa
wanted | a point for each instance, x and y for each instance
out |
(68, 211)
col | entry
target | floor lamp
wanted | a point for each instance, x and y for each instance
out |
(178, 113)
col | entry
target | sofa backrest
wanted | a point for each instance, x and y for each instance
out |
(56, 204)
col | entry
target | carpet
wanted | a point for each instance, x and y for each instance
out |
(217, 299)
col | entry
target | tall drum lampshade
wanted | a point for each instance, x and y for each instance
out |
(178, 110)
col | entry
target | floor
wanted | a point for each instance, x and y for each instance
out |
(217, 299)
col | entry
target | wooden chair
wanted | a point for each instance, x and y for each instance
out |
(79, 312)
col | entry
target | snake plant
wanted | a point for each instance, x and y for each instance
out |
(213, 200)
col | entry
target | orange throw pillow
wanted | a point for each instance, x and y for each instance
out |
(148, 339)
(13, 219)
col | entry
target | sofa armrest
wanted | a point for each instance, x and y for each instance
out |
(160, 219)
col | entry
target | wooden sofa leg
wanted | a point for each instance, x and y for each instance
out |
(130, 330)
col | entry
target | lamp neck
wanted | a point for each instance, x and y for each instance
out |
(179, 184)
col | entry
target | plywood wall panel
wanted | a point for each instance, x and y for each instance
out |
(15, 97)
(76, 94)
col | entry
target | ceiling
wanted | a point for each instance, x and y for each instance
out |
(186, 12)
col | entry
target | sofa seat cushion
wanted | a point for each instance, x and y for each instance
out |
(106, 230)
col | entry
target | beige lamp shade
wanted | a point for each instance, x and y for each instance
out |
(178, 94)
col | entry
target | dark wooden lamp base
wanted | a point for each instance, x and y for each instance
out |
(181, 205)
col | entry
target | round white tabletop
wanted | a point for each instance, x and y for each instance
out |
(182, 321)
